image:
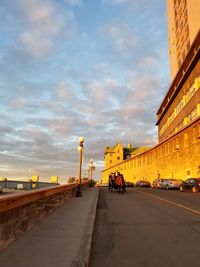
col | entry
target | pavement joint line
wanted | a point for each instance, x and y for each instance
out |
(172, 203)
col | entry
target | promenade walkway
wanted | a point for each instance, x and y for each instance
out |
(62, 239)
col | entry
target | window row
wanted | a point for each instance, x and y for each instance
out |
(185, 99)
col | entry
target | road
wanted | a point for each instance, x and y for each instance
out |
(147, 228)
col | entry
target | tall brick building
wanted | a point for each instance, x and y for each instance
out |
(181, 104)
(183, 26)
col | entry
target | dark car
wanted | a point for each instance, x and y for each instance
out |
(191, 184)
(142, 183)
(129, 184)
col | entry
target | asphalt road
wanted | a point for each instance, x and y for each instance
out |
(147, 228)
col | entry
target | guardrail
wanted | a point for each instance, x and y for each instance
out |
(20, 211)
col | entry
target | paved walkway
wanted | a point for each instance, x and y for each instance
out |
(62, 239)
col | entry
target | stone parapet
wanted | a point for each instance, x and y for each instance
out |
(19, 212)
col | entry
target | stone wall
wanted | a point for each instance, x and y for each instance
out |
(17, 217)
(176, 157)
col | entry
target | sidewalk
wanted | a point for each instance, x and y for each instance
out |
(62, 239)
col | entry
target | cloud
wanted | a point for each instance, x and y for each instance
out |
(98, 92)
(63, 91)
(19, 102)
(74, 2)
(130, 3)
(144, 96)
(148, 62)
(102, 70)
(39, 24)
(121, 36)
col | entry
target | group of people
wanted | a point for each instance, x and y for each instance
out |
(116, 181)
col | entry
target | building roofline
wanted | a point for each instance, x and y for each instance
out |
(181, 76)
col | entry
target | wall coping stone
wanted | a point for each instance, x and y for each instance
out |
(16, 200)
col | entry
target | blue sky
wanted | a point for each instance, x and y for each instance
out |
(71, 68)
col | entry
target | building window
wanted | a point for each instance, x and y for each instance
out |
(196, 130)
(127, 164)
(118, 158)
(149, 158)
(131, 164)
(180, 126)
(176, 146)
(186, 140)
(193, 115)
(190, 93)
(169, 147)
(179, 106)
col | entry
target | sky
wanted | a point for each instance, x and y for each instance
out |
(70, 68)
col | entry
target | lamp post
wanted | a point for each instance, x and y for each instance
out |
(80, 149)
(91, 168)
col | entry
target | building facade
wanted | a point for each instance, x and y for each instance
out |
(113, 155)
(176, 157)
(181, 104)
(177, 154)
(183, 26)
(118, 153)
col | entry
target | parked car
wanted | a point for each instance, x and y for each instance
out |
(163, 182)
(171, 183)
(155, 183)
(129, 184)
(191, 184)
(142, 183)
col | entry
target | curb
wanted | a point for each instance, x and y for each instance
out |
(83, 257)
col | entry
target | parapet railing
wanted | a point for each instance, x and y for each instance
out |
(20, 211)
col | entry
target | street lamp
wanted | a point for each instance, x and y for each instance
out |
(91, 168)
(80, 150)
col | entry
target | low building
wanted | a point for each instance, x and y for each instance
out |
(118, 153)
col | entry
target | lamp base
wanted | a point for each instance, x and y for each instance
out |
(78, 192)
